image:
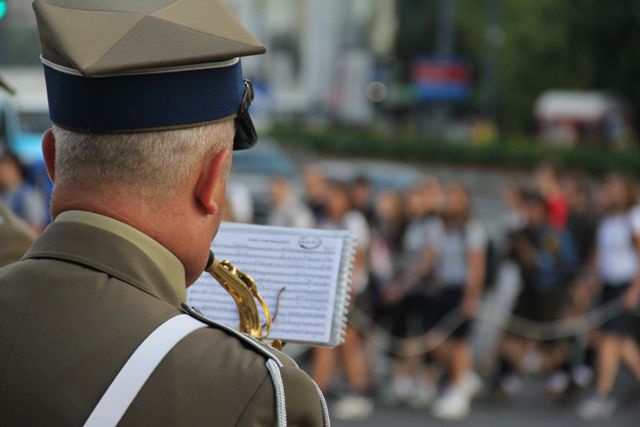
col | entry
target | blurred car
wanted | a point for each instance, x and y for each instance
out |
(382, 174)
(254, 169)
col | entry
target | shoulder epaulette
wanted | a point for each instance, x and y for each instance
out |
(255, 344)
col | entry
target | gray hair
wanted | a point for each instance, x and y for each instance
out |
(155, 164)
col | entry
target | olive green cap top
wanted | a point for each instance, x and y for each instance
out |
(106, 37)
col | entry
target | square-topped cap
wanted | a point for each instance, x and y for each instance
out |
(140, 65)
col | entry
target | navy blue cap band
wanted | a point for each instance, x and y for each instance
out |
(142, 102)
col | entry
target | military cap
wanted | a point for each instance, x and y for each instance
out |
(122, 66)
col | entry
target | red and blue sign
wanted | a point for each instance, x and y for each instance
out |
(441, 79)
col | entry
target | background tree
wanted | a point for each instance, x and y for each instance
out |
(544, 44)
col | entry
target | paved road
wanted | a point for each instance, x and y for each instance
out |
(529, 410)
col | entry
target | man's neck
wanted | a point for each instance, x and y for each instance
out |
(130, 215)
(140, 215)
(169, 222)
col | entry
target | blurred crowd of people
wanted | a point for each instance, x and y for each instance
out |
(18, 194)
(575, 244)
(425, 263)
(428, 269)
(23, 212)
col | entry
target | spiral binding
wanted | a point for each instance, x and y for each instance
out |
(343, 294)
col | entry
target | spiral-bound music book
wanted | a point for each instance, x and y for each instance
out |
(307, 271)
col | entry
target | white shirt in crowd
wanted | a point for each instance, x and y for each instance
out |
(241, 202)
(355, 222)
(292, 213)
(617, 254)
(417, 238)
(453, 247)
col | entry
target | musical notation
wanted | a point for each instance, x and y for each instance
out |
(306, 263)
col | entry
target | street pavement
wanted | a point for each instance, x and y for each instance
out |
(530, 409)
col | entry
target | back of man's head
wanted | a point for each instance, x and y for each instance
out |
(151, 165)
(137, 154)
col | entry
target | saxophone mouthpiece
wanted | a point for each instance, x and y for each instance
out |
(210, 261)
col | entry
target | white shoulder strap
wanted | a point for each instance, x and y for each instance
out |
(138, 369)
(273, 365)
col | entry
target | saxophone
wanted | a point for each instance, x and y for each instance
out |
(242, 288)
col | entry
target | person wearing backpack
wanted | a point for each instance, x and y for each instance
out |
(412, 296)
(547, 260)
(460, 271)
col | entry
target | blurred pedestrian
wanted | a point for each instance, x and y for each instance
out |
(581, 221)
(581, 226)
(362, 196)
(240, 202)
(547, 260)
(15, 237)
(315, 190)
(548, 183)
(287, 209)
(514, 217)
(388, 230)
(339, 214)
(386, 237)
(618, 267)
(227, 211)
(412, 296)
(386, 242)
(434, 196)
(460, 269)
(23, 199)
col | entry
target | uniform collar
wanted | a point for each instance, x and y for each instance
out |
(116, 249)
(167, 263)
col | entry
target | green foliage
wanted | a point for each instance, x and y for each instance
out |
(546, 44)
(610, 35)
(516, 153)
(536, 56)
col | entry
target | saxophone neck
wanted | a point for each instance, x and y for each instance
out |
(242, 288)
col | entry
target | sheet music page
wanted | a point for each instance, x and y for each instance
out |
(305, 263)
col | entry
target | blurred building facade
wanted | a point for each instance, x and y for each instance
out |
(322, 54)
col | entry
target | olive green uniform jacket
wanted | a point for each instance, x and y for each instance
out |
(78, 305)
(15, 237)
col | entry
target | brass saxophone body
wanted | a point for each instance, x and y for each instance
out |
(242, 288)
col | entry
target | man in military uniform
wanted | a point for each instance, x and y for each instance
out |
(148, 101)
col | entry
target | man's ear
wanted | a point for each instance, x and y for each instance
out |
(211, 185)
(49, 153)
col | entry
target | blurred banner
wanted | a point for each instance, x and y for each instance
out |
(441, 79)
